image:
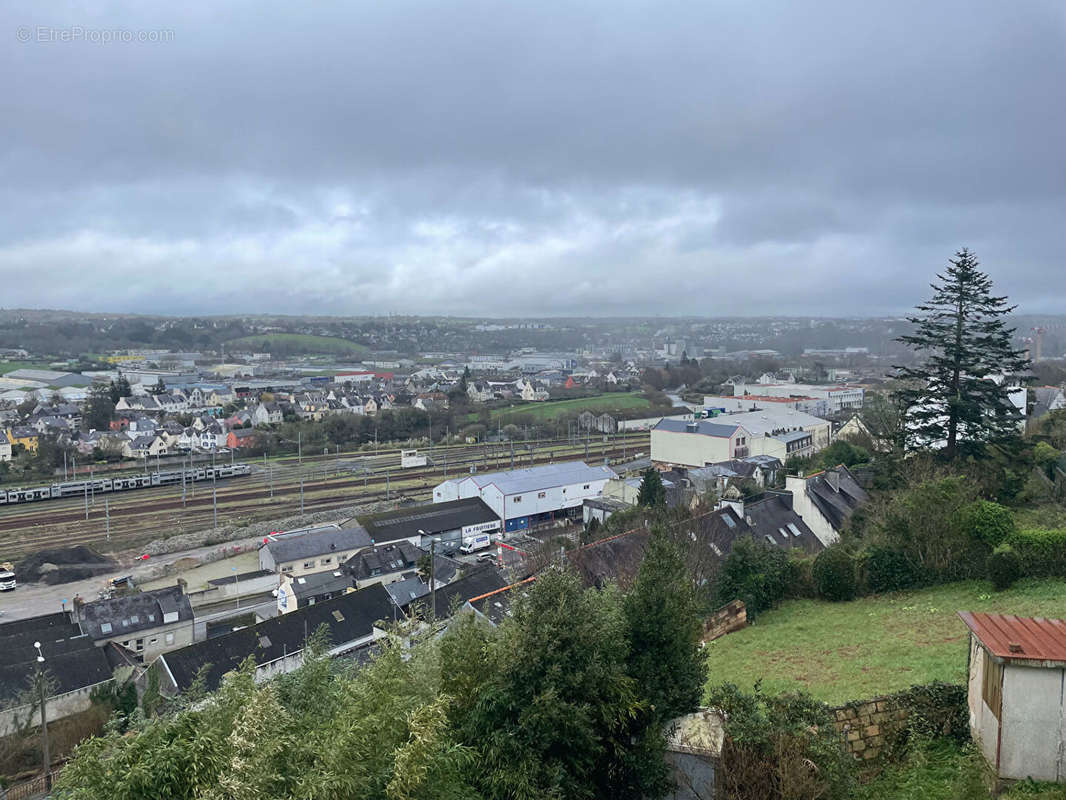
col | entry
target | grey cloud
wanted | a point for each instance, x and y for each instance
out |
(587, 157)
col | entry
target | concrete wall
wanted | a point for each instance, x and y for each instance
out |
(56, 707)
(984, 727)
(1032, 724)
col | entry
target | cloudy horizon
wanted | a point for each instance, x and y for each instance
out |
(549, 159)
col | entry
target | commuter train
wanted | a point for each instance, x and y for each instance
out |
(98, 485)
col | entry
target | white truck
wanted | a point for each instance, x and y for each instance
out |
(475, 543)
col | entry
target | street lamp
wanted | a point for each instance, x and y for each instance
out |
(237, 583)
(44, 717)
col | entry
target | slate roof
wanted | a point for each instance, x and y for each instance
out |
(316, 543)
(383, 560)
(771, 520)
(836, 505)
(72, 660)
(407, 590)
(434, 518)
(518, 481)
(317, 583)
(496, 605)
(134, 612)
(349, 617)
(701, 427)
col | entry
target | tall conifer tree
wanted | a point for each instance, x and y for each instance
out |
(957, 399)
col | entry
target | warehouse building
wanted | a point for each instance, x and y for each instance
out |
(449, 523)
(526, 498)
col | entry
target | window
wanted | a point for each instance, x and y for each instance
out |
(309, 565)
(286, 567)
(541, 495)
(140, 645)
(169, 638)
(135, 619)
(518, 499)
(105, 627)
(153, 642)
(337, 615)
(585, 486)
(728, 520)
(992, 688)
(326, 561)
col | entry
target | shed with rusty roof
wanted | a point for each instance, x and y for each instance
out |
(1017, 701)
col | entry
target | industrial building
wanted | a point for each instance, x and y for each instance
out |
(526, 498)
(837, 398)
(448, 523)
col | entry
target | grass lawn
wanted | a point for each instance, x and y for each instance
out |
(875, 645)
(11, 366)
(549, 409)
(943, 771)
(298, 341)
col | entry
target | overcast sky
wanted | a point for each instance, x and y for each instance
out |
(479, 157)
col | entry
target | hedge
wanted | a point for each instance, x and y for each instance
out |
(1042, 551)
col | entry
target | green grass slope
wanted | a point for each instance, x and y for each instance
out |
(297, 343)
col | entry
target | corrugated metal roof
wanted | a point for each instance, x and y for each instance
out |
(1019, 638)
(702, 427)
(546, 476)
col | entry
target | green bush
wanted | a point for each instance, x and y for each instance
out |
(887, 570)
(800, 581)
(1004, 567)
(834, 574)
(1042, 551)
(755, 573)
(988, 522)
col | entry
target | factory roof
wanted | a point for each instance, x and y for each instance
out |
(702, 427)
(431, 519)
(516, 481)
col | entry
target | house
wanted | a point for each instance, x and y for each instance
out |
(241, 437)
(267, 414)
(769, 518)
(300, 591)
(697, 443)
(1017, 668)
(277, 645)
(525, 498)
(5, 451)
(145, 445)
(478, 581)
(826, 500)
(314, 550)
(1045, 400)
(773, 426)
(27, 437)
(146, 623)
(383, 563)
(75, 666)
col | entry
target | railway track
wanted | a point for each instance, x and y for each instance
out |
(145, 515)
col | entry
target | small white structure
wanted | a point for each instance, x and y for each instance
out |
(411, 458)
(1016, 703)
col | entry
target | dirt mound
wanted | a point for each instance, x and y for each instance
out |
(62, 565)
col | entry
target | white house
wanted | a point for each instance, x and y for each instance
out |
(768, 426)
(524, 498)
(699, 442)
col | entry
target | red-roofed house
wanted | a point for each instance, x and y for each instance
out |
(1017, 702)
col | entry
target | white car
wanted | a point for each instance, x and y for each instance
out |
(7, 581)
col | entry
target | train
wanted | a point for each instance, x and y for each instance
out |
(105, 485)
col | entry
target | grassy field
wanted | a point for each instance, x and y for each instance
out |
(298, 343)
(549, 409)
(849, 651)
(11, 366)
(943, 771)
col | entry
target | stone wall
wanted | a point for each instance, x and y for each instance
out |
(729, 618)
(866, 724)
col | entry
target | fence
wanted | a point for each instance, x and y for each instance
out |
(31, 789)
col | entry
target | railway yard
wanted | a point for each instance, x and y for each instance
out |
(114, 522)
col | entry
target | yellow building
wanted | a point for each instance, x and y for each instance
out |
(27, 437)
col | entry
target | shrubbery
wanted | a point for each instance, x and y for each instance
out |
(1042, 552)
(887, 570)
(834, 574)
(988, 522)
(1004, 567)
(753, 572)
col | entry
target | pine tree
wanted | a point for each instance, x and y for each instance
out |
(652, 492)
(662, 614)
(955, 401)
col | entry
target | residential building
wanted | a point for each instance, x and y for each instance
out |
(277, 645)
(241, 437)
(476, 582)
(1047, 399)
(300, 591)
(383, 564)
(146, 623)
(25, 436)
(1017, 710)
(772, 422)
(5, 451)
(826, 500)
(314, 550)
(267, 414)
(75, 666)
(525, 498)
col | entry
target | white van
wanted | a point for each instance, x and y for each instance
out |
(479, 542)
